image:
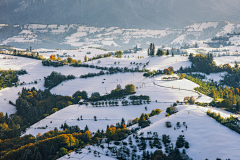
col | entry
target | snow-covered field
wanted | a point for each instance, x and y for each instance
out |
(212, 76)
(77, 54)
(207, 138)
(227, 59)
(105, 116)
(102, 84)
(180, 84)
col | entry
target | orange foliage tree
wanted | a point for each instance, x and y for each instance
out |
(53, 58)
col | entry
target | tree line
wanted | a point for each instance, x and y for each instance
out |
(115, 93)
(32, 55)
(56, 78)
(223, 97)
(167, 71)
(57, 61)
(230, 122)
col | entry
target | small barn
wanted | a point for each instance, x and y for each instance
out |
(82, 102)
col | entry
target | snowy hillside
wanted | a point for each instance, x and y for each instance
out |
(74, 35)
(206, 137)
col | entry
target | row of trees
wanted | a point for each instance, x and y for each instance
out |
(153, 73)
(57, 61)
(95, 96)
(230, 122)
(162, 53)
(30, 54)
(141, 97)
(116, 93)
(116, 103)
(97, 57)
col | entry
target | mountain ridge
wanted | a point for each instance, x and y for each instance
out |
(151, 14)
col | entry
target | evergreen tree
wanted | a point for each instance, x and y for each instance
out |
(123, 121)
(180, 141)
(118, 87)
(151, 50)
(172, 54)
(167, 53)
(86, 128)
(52, 150)
(160, 52)
(236, 65)
(237, 107)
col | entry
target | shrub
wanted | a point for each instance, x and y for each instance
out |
(62, 152)
(117, 143)
(186, 144)
(125, 143)
(180, 141)
(168, 124)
